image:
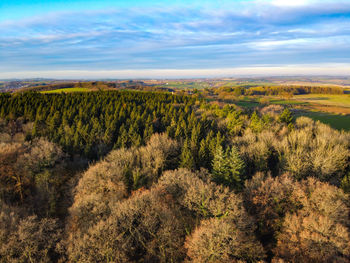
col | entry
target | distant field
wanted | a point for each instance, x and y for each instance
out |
(339, 122)
(186, 85)
(329, 109)
(325, 99)
(68, 90)
(286, 102)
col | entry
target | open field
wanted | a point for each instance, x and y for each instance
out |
(325, 99)
(337, 121)
(330, 109)
(68, 90)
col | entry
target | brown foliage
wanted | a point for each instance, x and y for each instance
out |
(268, 199)
(315, 149)
(318, 232)
(141, 229)
(26, 239)
(19, 162)
(202, 198)
(313, 238)
(221, 240)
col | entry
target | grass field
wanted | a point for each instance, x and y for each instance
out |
(325, 99)
(339, 122)
(185, 85)
(333, 110)
(68, 90)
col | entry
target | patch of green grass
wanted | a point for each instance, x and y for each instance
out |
(68, 90)
(325, 99)
(286, 102)
(247, 103)
(336, 121)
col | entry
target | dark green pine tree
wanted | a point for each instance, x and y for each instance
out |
(221, 170)
(228, 167)
(204, 155)
(236, 167)
(148, 131)
(186, 158)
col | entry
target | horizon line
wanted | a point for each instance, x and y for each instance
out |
(330, 69)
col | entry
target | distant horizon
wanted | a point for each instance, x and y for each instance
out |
(291, 71)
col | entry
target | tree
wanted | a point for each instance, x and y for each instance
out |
(256, 124)
(268, 200)
(186, 158)
(227, 167)
(221, 240)
(318, 232)
(142, 228)
(236, 166)
(313, 238)
(286, 116)
(27, 238)
(204, 155)
(220, 166)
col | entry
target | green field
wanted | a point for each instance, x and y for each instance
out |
(337, 103)
(339, 122)
(286, 102)
(325, 99)
(185, 85)
(68, 90)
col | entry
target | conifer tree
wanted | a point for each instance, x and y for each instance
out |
(256, 124)
(236, 165)
(186, 159)
(227, 167)
(221, 170)
(203, 155)
(286, 116)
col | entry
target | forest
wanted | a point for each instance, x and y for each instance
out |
(136, 176)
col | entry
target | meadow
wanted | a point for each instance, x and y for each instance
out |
(67, 90)
(326, 108)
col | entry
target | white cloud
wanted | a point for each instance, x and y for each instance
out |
(290, 3)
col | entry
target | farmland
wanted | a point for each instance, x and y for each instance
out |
(67, 90)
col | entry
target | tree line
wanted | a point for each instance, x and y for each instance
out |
(281, 90)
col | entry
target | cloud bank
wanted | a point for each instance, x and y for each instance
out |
(251, 36)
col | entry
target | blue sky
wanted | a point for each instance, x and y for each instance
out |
(148, 39)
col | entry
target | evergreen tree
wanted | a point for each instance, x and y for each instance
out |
(227, 167)
(186, 158)
(345, 183)
(236, 165)
(221, 169)
(256, 124)
(286, 116)
(203, 155)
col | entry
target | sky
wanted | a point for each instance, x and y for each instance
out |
(173, 39)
